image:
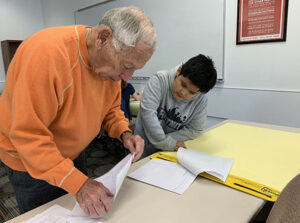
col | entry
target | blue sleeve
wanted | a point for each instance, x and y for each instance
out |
(130, 89)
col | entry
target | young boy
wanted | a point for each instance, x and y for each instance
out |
(174, 105)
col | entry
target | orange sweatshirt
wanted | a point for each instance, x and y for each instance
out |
(53, 105)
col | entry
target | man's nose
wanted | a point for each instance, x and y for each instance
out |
(126, 75)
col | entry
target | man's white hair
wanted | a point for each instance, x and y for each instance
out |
(129, 26)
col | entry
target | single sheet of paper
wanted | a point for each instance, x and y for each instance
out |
(53, 214)
(57, 214)
(165, 174)
(111, 180)
(198, 162)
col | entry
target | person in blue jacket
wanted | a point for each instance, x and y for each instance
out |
(127, 91)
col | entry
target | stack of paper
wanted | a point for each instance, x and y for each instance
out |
(198, 162)
(178, 177)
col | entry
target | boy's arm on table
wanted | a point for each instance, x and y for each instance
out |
(150, 101)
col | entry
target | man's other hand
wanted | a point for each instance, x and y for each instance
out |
(134, 143)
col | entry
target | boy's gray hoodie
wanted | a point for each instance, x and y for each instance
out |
(162, 121)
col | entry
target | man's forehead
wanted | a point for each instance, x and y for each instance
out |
(134, 63)
(137, 57)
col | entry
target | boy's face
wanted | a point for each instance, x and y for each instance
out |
(183, 88)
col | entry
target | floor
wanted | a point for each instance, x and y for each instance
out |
(8, 203)
(102, 154)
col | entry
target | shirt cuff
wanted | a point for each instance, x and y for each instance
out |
(74, 181)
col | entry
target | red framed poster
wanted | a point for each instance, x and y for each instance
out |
(261, 21)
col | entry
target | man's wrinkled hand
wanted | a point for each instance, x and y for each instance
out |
(94, 198)
(134, 143)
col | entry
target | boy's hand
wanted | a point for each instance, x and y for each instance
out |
(179, 144)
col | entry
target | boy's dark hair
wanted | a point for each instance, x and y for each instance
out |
(201, 72)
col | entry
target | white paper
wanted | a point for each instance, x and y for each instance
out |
(111, 180)
(57, 214)
(198, 162)
(165, 174)
(178, 177)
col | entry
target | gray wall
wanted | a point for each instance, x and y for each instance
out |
(262, 81)
(179, 37)
(19, 19)
(264, 106)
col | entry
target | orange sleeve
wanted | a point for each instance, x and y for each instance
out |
(115, 123)
(35, 104)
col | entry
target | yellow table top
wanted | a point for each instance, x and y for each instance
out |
(263, 155)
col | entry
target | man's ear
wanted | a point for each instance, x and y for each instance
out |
(104, 35)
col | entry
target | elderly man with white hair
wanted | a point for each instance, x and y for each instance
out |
(62, 86)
